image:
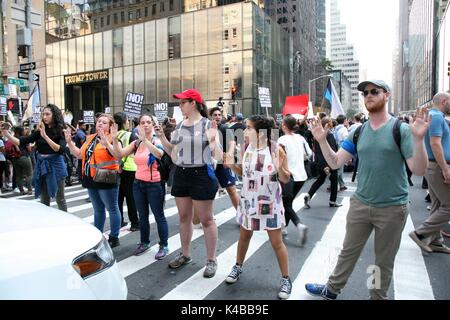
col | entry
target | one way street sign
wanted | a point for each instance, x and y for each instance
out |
(24, 75)
(27, 66)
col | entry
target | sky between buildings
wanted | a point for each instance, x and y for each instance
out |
(372, 29)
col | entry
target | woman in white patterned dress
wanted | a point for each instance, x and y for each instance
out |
(263, 167)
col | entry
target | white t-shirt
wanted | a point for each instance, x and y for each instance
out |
(354, 127)
(2, 156)
(295, 150)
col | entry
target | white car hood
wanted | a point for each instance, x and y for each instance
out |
(34, 236)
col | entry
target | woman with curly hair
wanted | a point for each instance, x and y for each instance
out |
(50, 169)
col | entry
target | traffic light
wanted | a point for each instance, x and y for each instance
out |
(12, 105)
(233, 92)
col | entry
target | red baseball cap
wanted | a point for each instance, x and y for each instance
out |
(189, 94)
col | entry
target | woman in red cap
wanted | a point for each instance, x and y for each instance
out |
(191, 147)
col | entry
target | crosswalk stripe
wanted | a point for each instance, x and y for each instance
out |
(411, 280)
(197, 287)
(322, 260)
(133, 264)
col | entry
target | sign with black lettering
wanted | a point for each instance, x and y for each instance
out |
(3, 110)
(133, 104)
(36, 116)
(264, 97)
(88, 117)
(27, 66)
(161, 111)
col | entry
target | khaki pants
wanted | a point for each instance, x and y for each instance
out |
(440, 205)
(361, 220)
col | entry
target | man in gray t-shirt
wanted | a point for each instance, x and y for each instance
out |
(381, 200)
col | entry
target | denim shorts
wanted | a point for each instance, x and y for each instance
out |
(194, 183)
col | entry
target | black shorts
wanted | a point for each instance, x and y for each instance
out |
(225, 177)
(194, 183)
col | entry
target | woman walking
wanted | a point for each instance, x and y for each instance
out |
(100, 174)
(148, 189)
(50, 170)
(264, 166)
(194, 183)
(296, 148)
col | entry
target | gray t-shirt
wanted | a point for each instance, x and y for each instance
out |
(382, 179)
(191, 143)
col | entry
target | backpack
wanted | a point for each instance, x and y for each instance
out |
(395, 133)
(11, 152)
(165, 165)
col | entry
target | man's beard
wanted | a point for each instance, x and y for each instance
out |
(376, 107)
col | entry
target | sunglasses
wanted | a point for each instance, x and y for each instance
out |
(373, 92)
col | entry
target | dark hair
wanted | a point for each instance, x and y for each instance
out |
(120, 118)
(340, 119)
(325, 121)
(58, 119)
(290, 122)
(201, 108)
(211, 111)
(146, 115)
(264, 124)
(322, 115)
(19, 131)
(358, 117)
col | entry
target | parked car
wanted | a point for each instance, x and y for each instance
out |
(49, 254)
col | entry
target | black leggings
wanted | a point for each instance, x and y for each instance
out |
(3, 168)
(321, 180)
(126, 192)
(289, 212)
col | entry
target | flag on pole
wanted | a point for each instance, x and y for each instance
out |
(332, 96)
(33, 103)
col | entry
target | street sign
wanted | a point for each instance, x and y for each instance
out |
(24, 75)
(27, 66)
(233, 103)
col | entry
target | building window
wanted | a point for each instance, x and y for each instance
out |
(174, 46)
(226, 69)
(161, 6)
(234, 32)
(226, 86)
(146, 11)
(138, 13)
(225, 34)
(171, 5)
(122, 17)
(102, 22)
(154, 9)
(116, 18)
(108, 20)
(130, 15)
(234, 47)
(95, 24)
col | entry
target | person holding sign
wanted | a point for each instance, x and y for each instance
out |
(100, 173)
(193, 143)
(50, 169)
(148, 188)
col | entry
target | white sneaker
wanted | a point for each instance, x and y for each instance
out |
(198, 226)
(302, 234)
(16, 190)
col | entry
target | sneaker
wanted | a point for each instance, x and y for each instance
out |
(302, 234)
(113, 242)
(307, 199)
(162, 252)
(198, 226)
(210, 269)
(329, 189)
(134, 228)
(30, 192)
(285, 289)
(420, 243)
(284, 231)
(442, 248)
(343, 188)
(234, 274)
(335, 205)
(320, 290)
(179, 261)
(142, 247)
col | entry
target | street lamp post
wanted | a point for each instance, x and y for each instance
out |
(311, 81)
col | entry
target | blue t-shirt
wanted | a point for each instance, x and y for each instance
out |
(438, 128)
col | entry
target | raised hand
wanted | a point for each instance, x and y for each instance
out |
(103, 138)
(41, 128)
(68, 135)
(211, 133)
(158, 131)
(319, 133)
(419, 126)
(4, 126)
(141, 133)
(114, 131)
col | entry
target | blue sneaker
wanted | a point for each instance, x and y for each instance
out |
(320, 290)
(162, 252)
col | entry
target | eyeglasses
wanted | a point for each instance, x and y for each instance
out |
(373, 92)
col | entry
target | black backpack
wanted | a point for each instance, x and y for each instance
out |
(165, 165)
(395, 133)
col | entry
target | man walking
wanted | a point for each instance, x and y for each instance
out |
(437, 141)
(376, 204)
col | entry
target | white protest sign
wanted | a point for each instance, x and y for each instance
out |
(133, 104)
(161, 111)
(264, 97)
